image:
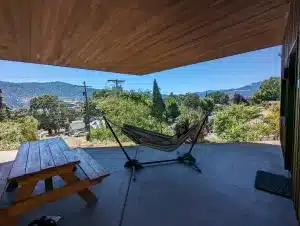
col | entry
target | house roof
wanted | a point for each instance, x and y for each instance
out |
(137, 36)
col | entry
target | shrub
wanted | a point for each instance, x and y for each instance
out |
(29, 126)
(12, 133)
(236, 123)
(272, 121)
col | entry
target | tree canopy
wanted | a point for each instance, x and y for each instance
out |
(269, 90)
(50, 112)
(219, 97)
(172, 109)
(192, 101)
(206, 104)
(239, 99)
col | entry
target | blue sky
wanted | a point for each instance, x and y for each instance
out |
(225, 73)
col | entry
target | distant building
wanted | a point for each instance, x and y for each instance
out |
(73, 104)
(76, 126)
(96, 124)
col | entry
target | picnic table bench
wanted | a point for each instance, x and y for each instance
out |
(41, 161)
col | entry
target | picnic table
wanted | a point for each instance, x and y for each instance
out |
(41, 161)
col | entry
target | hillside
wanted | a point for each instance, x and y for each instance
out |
(19, 94)
(246, 91)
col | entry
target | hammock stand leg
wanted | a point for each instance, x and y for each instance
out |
(131, 163)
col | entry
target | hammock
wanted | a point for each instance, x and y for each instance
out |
(157, 140)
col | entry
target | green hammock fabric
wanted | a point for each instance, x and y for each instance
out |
(157, 140)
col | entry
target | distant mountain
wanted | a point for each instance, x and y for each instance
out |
(18, 95)
(246, 91)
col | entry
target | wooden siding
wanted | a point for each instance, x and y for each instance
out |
(290, 101)
(137, 36)
(291, 33)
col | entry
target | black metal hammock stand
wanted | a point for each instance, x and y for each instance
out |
(158, 141)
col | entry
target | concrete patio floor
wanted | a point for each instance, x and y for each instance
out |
(176, 195)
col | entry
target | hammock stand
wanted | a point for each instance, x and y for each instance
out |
(136, 165)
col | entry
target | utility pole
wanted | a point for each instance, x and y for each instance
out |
(87, 109)
(117, 83)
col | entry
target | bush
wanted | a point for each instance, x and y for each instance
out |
(13, 133)
(236, 123)
(272, 121)
(29, 126)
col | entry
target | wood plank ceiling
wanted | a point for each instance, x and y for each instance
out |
(136, 36)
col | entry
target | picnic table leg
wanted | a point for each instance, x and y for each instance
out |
(85, 194)
(23, 192)
(49, 184)
(11, 221)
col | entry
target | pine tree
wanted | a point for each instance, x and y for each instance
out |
(158, 105)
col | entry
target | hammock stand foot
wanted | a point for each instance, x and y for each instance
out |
(190, 159)
(135, 165)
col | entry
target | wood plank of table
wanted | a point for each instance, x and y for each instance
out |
(45, 154)
(5, 169)
(33, 161)
(90, 172)
(19, 166)
(57, 153)
(92, 162)
(62, 144)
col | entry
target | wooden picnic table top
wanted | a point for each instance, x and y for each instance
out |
(36, 156)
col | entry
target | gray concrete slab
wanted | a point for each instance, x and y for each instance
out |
(223, 194)
(175, 194)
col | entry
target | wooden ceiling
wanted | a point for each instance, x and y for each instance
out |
(136, 36)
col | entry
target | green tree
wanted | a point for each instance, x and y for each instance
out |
(124, 110)
(19, 113)
(158, 105)
(137, 96)
(102, 93)
(269, 90)
(49, 111)
(219, 97)
(206, 104)
(172, 110)
(192, 101)
(239, 99)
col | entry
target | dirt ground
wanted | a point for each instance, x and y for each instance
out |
(81, 142)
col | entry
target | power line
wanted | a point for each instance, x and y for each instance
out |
(117, 82)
